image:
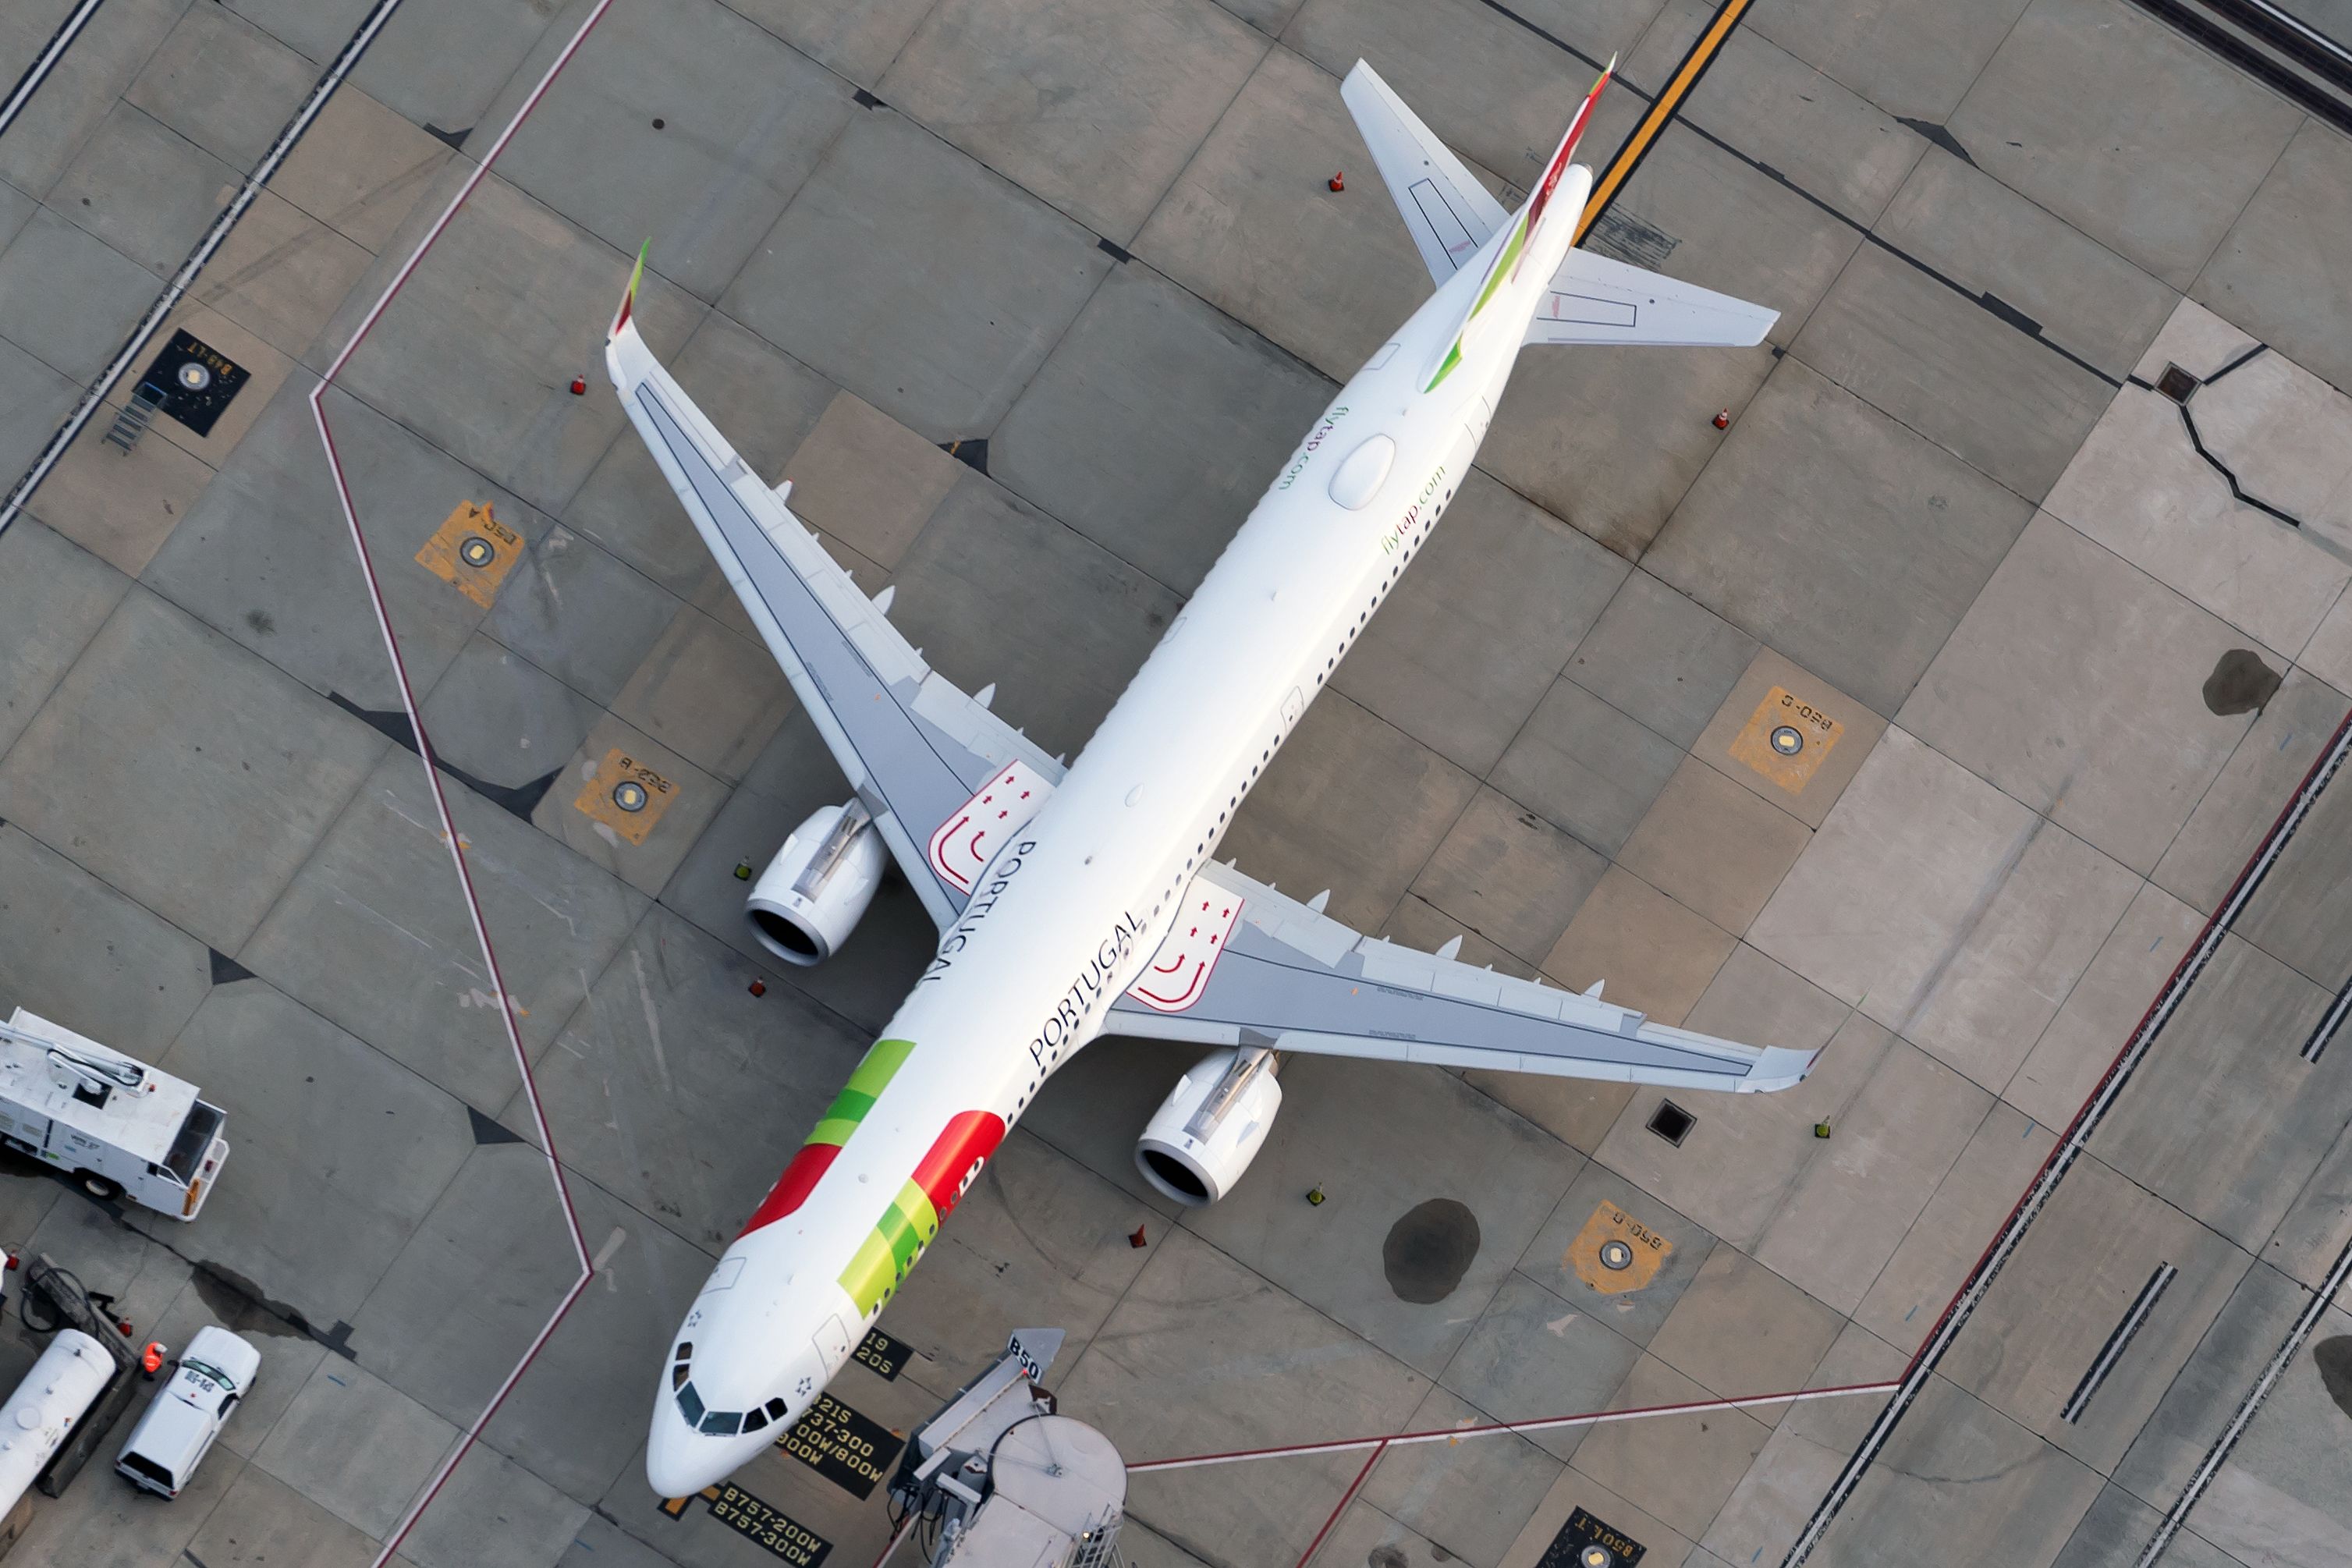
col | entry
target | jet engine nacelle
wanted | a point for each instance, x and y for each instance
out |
(806, 902)
(1210, 1126)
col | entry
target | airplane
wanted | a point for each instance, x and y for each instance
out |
(1077, 900)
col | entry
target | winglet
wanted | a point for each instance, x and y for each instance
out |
(629, 300)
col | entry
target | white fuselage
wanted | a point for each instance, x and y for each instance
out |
(1071, 910)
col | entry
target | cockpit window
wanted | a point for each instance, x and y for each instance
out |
(721, 1424)
(689, 1404)
(754, 1419)
(776, 1408)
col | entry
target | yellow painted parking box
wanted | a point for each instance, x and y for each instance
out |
(472, 552)
(624, 795)
(1615, 1253)
(1787, 740)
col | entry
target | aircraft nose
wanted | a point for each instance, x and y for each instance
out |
(678, 1461)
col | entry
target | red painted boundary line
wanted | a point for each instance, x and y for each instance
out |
(440, 801)
(1345, 1499)
(1493, 1428)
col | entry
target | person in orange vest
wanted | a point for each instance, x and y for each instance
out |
(150, 1360)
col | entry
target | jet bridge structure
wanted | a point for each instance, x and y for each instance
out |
(1000, 1479)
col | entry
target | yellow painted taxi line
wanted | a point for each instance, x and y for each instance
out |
(1629, 157)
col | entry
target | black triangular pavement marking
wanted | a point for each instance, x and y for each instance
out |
(394, 725)
(227, 968)
(1939, 136)
(973, 452)
(520, 799)
(454, 138)
(486, 1131)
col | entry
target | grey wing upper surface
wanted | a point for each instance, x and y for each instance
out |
(920, 754)
(1248, 965)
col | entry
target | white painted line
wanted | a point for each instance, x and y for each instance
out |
(2272, 1373)
(38, 71)
(2119, 1341)
(186, 277)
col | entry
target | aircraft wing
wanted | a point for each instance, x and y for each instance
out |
(1593, 299)
(945, 780)
(1248, 965)
(1448, 212)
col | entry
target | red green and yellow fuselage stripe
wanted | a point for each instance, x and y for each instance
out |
(833, 1129)
(921, 1206)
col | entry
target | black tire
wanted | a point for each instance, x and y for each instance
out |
(100, 1187)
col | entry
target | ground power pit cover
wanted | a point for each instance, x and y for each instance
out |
(1615, 1253)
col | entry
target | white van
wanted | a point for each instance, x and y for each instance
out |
(188, 1412)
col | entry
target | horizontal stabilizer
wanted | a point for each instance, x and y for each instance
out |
(1446, 210)
(1593, 299)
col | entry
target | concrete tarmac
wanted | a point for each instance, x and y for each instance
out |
(2037, 497)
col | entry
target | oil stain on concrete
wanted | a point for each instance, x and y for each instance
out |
(1429, 1249)
(2241, 683)
(2333, 1359)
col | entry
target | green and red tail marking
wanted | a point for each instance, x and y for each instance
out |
(629, 301)
(1560, 160)
(1505, 264)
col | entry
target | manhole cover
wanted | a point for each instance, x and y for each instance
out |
(1787, 740)
(1616, 1255)
(629, 796)
(476, 552)
(195, 377)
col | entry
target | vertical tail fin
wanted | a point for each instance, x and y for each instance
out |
(1540, 201)
(1520, 236)
(629, 300)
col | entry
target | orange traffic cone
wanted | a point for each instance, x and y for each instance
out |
(150, 1360)
(1340, 180)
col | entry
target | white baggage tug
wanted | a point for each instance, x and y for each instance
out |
(110, 1122)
